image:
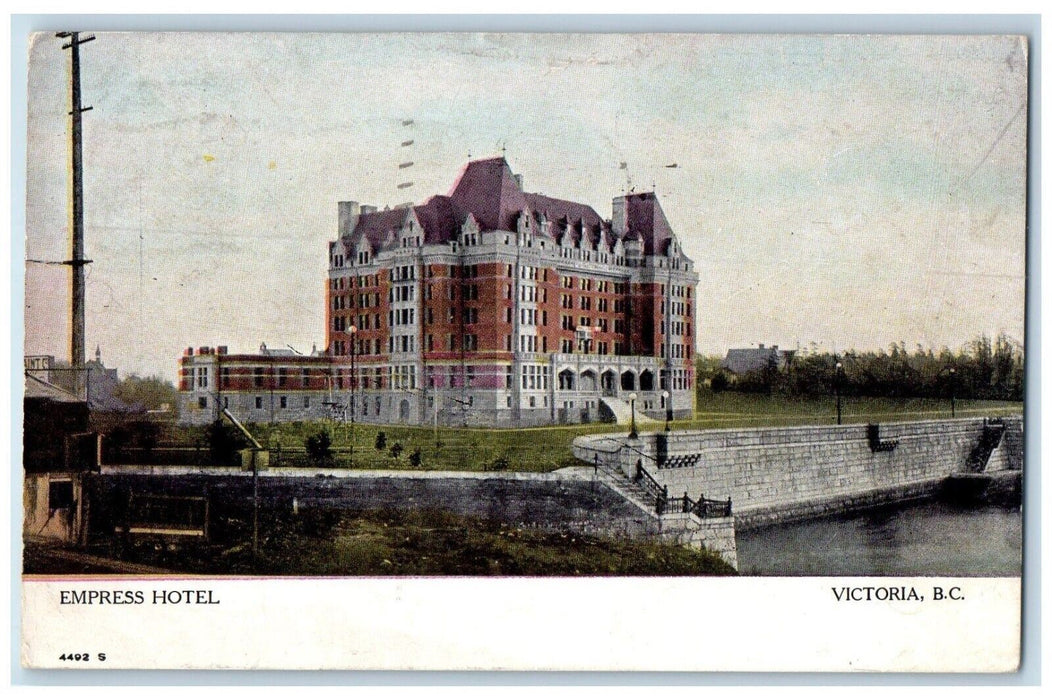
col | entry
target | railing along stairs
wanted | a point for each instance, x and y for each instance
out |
(663, 503)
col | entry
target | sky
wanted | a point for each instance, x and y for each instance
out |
(834, 191)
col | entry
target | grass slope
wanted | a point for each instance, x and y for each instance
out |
(548, 448)
(425, 542)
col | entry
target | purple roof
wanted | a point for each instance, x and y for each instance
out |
(441, 219)
(376, 225)
(645, 218)
(488, 190)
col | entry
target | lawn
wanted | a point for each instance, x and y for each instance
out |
(548, 448)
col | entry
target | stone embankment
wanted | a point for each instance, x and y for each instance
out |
(782, 474)
(651, 486)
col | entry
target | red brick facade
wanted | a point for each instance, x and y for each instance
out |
(491, 305)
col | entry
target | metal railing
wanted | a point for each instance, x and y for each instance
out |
(658, 492)
(703, 507)
(707, 507)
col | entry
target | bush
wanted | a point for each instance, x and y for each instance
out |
(381, 441)
(145, 435)
(118, 438)
(223, 442)
(319, 446)
(396, 449)
(414, 457)
(718, 382)
(500, 464)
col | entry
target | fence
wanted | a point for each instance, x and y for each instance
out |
(703, 507)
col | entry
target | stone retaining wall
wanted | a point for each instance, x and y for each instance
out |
(573, 500)
(780, 474)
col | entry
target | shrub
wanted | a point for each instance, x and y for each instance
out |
(414, 457)
(718, 382)
(118, 438)
(146, 435)
(381, 440)
(319, 446)
(500, 463)
(223, 442)
(396, 449)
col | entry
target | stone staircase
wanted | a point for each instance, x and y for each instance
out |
(979, 460)
(629, 490)
(622, 411)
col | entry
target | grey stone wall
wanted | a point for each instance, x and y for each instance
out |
(534, 500)
(573, 502)
(791, 473)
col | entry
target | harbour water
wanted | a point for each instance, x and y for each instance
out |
(930, 538)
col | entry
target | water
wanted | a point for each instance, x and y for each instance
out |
(922, 539)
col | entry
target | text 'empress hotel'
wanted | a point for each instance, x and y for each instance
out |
(489, 306)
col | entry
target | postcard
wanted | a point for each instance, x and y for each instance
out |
(579, 352)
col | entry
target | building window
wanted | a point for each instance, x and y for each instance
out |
(259, 402)
(284, 402)
(202, 402)
(60, 494)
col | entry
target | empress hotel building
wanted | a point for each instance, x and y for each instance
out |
(489, 306)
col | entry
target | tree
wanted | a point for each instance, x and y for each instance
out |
(146, 393)
(223, 442)
(319, 446)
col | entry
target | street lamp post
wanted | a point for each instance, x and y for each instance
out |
(351, 331)
(632, 434)
(953, 392)
(836, 386)
(668, 410)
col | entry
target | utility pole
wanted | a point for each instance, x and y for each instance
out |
(76, 261)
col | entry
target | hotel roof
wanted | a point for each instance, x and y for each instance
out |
(488, 190)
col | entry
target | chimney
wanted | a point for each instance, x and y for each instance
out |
(619, 223)
(518, 180)
(349, 212)
(761, 346)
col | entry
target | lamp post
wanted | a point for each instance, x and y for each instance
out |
(632, 434)
(836, 387)
(953, 392)
(351, 331)
(668, 410)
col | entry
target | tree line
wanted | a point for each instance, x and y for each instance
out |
(984, 368)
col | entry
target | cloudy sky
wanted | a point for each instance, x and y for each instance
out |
(841, 191)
